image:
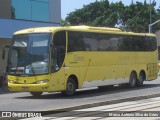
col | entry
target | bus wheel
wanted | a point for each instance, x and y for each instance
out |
(142, 77)
(36, 94)
(133, 80)
(70, 87)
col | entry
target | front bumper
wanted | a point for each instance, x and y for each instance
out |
(29, 87)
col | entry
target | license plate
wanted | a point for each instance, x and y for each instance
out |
(25, 88)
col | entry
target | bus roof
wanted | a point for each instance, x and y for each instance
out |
(80, 28)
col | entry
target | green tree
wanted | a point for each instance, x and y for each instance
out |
(64, 23)
(135, 17)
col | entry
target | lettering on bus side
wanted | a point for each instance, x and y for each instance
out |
(78, 58)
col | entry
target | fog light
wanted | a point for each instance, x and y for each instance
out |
(11, 81)
(41, 81)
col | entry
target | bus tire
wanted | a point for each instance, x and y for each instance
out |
(133, 80)
(36, 94)
(141, 79)
(70, 87)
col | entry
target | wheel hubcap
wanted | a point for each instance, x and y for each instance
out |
(141, 78)
(70, 87)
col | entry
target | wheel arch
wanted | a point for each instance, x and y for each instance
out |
(134, 71)
(75, 79)
(143, 73)
(133, 79)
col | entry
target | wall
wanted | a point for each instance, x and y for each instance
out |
(3, 63)
(8, 26)
(5, 9)
(55, 11)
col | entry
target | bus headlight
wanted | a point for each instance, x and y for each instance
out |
(11, 81)
(41, 81)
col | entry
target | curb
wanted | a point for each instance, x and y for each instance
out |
(101, 103)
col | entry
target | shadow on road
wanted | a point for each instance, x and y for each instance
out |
(92, 92)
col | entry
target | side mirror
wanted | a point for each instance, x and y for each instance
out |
(3, 52)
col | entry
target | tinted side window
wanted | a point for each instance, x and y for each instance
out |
(150, 43)
(58, 50)
(133, 43)
(116, 43)
(90, 42)
(86, 41)
(104, 42)
(75, 41)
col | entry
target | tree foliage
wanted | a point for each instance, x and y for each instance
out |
(134, 17)
(64, 23)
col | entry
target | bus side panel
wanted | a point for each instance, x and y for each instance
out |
(152, 71)
(109, 68)
(58, 80)
(104, 70)
(152, 67)
(116, 67)
(75, 65)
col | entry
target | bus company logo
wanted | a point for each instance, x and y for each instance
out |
(6, 114)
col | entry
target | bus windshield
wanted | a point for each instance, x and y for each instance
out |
(29, 54)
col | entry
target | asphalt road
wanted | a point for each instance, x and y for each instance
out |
(145, 109)
(92, 97)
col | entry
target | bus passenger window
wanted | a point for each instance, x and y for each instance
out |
(58, 50)
(75, 41)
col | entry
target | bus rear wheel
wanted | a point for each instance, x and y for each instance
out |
(70, 87)
(133, 80)
(36, 94)
(141, 79)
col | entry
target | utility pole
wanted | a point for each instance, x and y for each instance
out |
(150, 17)
(150, 25)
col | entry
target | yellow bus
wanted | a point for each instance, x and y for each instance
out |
(63, 59)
